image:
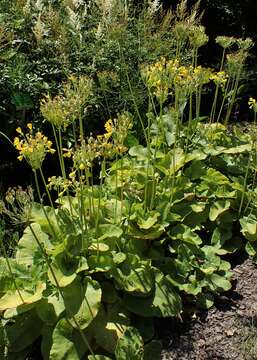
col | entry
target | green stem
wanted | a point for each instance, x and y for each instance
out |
(224, 99)
(46, 187)
(58, 148)
(43, 208)
(230, 107)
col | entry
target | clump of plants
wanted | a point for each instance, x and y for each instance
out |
(132, 230)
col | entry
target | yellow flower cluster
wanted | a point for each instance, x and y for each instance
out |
(109, 128)
(160, 76)
(252, 104)
(106, 145)
(32, 148)
(167, 77)
(59, 184)
(220, 78)
(201, 76)
(120, 127)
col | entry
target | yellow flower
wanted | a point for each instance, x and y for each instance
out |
(18, 130)
(252, 104)
(67, 153)
(82, 166)
(109, 126)
(72, 175)
(29, 126)
(33, 148)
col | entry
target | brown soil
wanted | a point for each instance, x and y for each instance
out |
(228, 331)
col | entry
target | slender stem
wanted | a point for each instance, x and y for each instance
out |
(61, 154)
(43, 208)
(214, 104)
(222, 59)
(235, 88)
(224, 99)
(58, 148)
(82, 212)
(6, 137)
(136, 107)
(46, 187)
(198, 102)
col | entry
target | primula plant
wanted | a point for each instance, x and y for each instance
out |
(129, 231)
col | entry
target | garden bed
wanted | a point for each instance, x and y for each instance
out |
(228, 331)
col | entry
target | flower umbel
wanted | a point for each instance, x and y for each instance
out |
(226, 41)
(64, 109)
(220, 78)
(33, 148)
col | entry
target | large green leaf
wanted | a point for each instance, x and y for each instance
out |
(166, 301)
(130, 346)
(63, 270)
(101, 263)
(163, 302)
(109, 231)
(251, 248)
(184, 233)
(64, 346)
(172, 162)
(24, 331)
(139, 152)
(47, 218)
(6, 282)
(134, 276)
(196, 169)
(145, 325)
(218, 208)
(215, 177)
(205, 300)
(28, 251)
(218, 282)
(13, 299)
(249, 227)
(47, 341)
(149, 222)
(109, 325)
(22, 101)
(82, 301)
(50, 308)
